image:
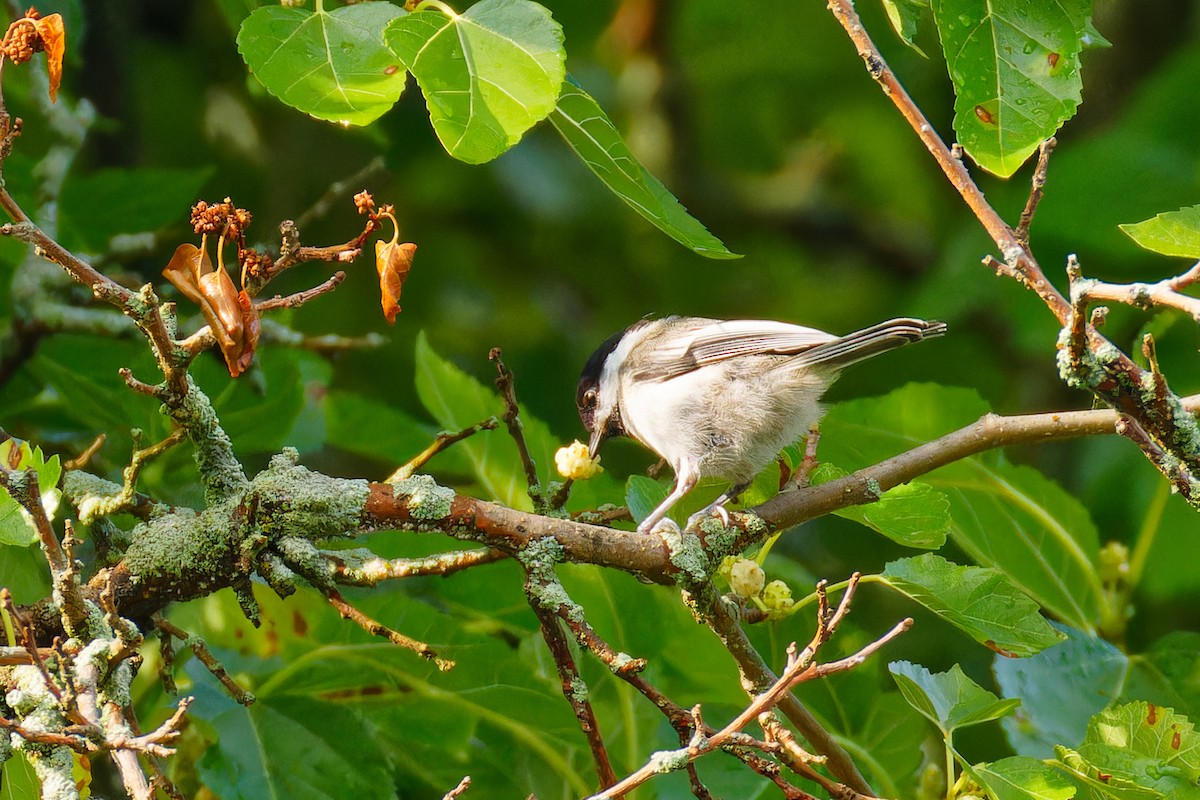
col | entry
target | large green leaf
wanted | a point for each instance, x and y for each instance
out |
(1172, 233)
(949, 699)
(1060, 689)
(18, 780)
(488, 74)
(1011, 518)
(383, 431)
(295, 746)
(912, 514)
(979, 601)
(1168, 673)
(97, 206)
(1015, 69)
(332, 65)
(1023, 778)
(1138, 750)
(594, 138)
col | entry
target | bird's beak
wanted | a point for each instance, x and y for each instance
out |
(598, 437)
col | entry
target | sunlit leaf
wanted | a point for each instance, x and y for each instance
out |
(488, 74)
(1138, 750)
(912, 514)
(1172, 233)
(904, 15)
(1015, 69)
(1023, 778)
(949, 699)
(332, 65)
(981, 602)
(593, 137)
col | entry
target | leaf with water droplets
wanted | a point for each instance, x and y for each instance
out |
(488, 74)
(1016, 73)
(331, 65)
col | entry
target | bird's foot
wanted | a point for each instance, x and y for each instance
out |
(714, 509)
(664, 525)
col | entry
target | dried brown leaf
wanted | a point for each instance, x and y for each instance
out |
(393, 261)
(54, 39)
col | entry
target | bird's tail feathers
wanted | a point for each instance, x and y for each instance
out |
(867, 343)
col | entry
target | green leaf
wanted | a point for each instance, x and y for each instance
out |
(1141, 750)
(488, 75)
(1010, 518)
(950, 699)
(382, 431)
(16, 526)
(25, 572)
(18, 781)
(904, 16)
(332, 65)
(97, 206)
(642, 495)
(1172, 233)
(593, 137)
(912, 514)
(1015, 69)
(1169, 673)
(1060, 689)
(1022, 778)
(981, 602)
(296, 747)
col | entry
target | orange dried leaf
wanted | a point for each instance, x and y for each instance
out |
(54, 39)
(184, 269)
(251, 327)
(392, 261)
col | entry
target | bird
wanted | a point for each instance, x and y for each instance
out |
(719, 399)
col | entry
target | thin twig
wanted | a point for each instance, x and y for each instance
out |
(573, 687)
(338, 191)
(358, 572)
(1036, 190)
(512, 418)
(457, 791)
(205, 657)
(376, 628)
(800, 669)
(440, 443)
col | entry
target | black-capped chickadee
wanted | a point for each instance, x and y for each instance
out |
(720, 399)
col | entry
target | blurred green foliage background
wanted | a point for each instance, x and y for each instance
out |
(762, 121)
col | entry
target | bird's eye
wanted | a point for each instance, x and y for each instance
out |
(589, 397)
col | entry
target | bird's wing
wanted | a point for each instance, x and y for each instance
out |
(686, 347)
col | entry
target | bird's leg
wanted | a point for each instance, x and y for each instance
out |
(685, 481)
(718, 506)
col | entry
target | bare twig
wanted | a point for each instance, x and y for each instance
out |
(300, 298)
(1036, 190)
(338, 190)
(573, 687)
(512, 418)
(376, 628)
(440, 443)
(458, 791)
(801, 667)
(371, 571)
(205, 657)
